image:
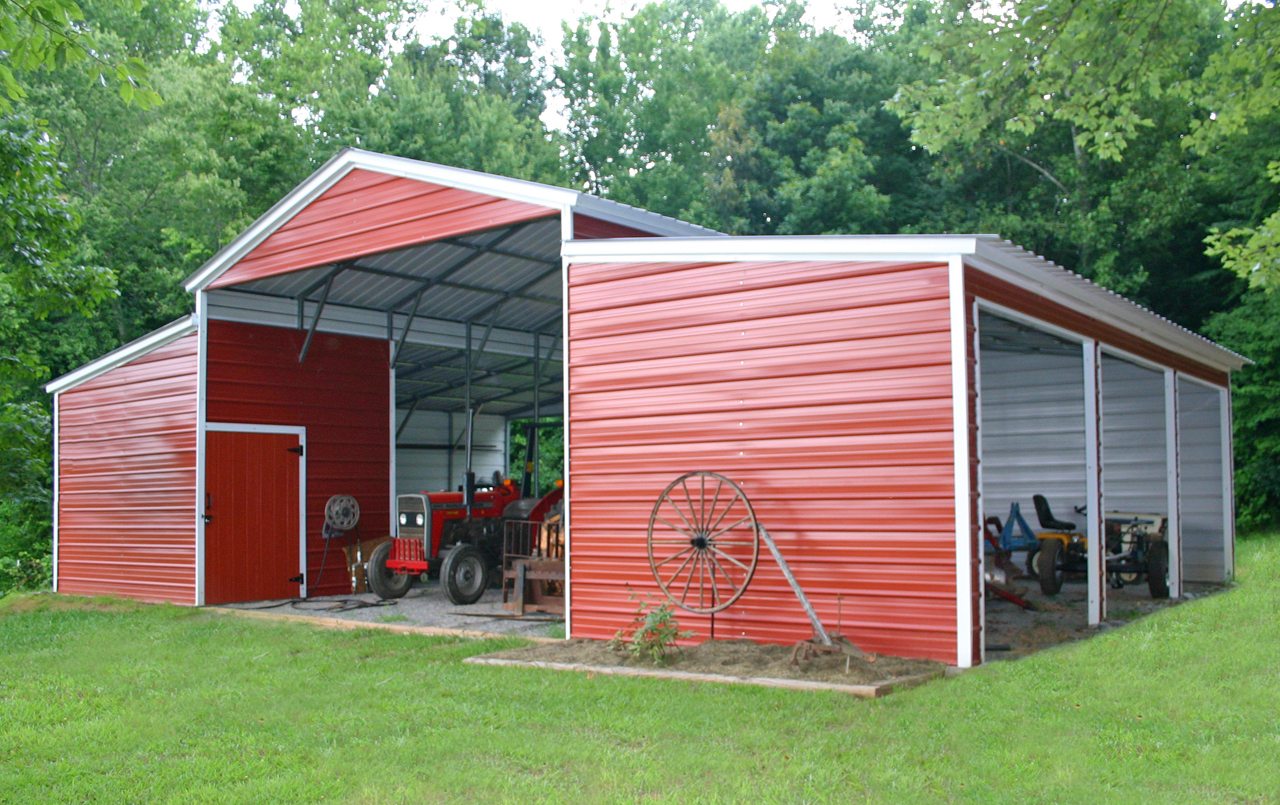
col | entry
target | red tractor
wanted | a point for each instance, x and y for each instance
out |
(464, 540)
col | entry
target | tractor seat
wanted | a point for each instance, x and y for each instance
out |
(1045, 514)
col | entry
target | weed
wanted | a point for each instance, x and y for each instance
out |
(654, 632)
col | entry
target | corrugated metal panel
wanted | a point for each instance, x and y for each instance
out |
(1033, 436)
(824, 389)
(423, 462)
(366, 213)
(127, 479)
(587, 228)
(341, 395)
(1134, 469)
(1200, 482)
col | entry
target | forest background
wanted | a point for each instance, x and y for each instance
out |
(1135, 143)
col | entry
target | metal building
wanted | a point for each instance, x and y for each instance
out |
(875, 396)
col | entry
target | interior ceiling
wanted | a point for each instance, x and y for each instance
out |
(507, 278)
(998, 334)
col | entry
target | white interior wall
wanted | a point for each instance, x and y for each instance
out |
(419, 470)
(1200, 474)
(1032, 432)
(1134, 472)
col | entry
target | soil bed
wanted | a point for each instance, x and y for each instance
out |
(740, 658)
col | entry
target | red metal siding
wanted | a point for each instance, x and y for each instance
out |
(824, 389)
(341, 395)
(367, 213)
(588, 228)
(1025, 301)
(127, 479)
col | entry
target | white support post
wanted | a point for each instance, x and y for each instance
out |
(977, 418)
(1173, 521)
(202, 393)
(1228, 487)
(1093, 483)
(57, 472)
(566, 517)
(964, 564)
(392, 440)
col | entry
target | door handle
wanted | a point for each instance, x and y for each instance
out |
(208, 505)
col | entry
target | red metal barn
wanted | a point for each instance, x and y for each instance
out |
(875, 397)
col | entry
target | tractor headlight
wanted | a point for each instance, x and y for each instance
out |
(417, 519)
(404, 518)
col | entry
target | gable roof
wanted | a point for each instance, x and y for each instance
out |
(501, 187)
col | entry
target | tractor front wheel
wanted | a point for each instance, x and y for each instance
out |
(384, 583)
(464, 574)
(1049, 566)
(1158, 569)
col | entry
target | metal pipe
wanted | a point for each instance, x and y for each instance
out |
(468, 492)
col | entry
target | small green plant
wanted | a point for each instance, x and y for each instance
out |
(654, 632)
(395, 618)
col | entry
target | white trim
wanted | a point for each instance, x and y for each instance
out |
(988, 253)
(1228, 487)
(960, 441)
(1018, 316)
(566, 232)
(134, 349)
(1093, 486)
(982, 519)
(202, 403)
(301, 433)
(350, 159)
(1173, 517)
(1204, 384)
(1129, 357)
(56, 479)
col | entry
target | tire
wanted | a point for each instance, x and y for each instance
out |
(384, 583)
(1049, 566)
(464, 574)
(1158, 569)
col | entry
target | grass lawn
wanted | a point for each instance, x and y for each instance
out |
(109, 701)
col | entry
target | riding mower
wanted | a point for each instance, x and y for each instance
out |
(1135, 548)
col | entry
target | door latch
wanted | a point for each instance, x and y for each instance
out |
(297, 579)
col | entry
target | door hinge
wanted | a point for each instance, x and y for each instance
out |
(295, 450)
(297, 579)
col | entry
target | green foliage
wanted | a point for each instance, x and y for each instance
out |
(550, 456)
(1250, 329)
(51, 34)
(651, 635)
(25, 571)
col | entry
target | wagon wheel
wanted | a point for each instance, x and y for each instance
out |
(704, 542)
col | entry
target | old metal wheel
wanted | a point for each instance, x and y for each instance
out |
(704, 542)
(464, 574)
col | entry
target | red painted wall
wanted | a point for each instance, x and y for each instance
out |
(367, 213)
(127, 479)
(341, 395)
(588, 228)
(824, 389)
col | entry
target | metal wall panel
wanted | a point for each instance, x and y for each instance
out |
(1134, 469)
(824, 389)
(367, 213)
(339, 394)
(422, 458)
(1200, 473)
(1033, 432)
(587, 228)
(127, 479)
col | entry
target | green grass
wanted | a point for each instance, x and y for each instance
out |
(110, 701)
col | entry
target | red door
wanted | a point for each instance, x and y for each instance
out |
(251, 516)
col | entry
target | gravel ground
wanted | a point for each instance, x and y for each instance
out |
(425, 605)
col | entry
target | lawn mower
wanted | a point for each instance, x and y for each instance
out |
(1136, 548)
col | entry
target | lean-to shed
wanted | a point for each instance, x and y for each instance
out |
(875, 397)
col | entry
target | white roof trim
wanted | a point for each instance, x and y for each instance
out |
(553, 198)
(988, 253)
(134, 349)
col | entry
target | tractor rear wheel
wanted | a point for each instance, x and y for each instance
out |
(1158, 569)
(1049, 566)
(464, 574)
(384, 583)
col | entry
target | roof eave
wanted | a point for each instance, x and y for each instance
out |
(121, 355)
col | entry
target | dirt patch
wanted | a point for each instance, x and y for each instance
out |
(21, 603)
(740, 658)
